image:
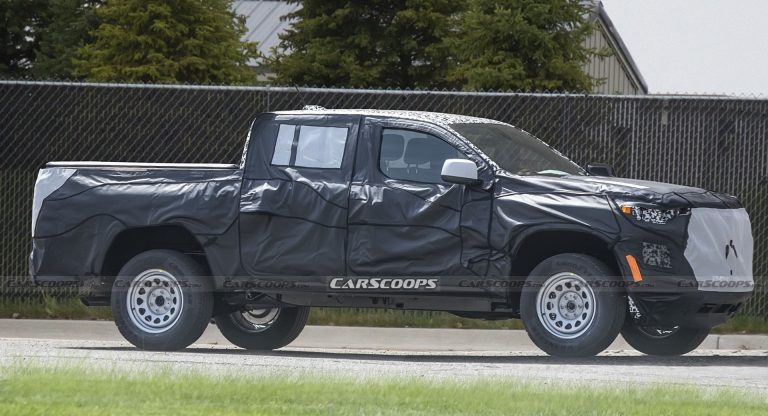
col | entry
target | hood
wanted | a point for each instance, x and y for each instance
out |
(659, 193)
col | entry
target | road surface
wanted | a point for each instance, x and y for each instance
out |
(389, 352)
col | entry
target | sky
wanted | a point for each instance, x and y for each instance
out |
(696, 46)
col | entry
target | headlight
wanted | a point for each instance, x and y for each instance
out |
(653, 215)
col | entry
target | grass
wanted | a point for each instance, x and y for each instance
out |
(53, 308)
(47, 307)
(742, 324)
(403, 319)
(28, 390)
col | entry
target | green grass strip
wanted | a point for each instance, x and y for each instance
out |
(74, 391)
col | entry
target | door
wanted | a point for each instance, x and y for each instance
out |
(294, 198)
(403, 219)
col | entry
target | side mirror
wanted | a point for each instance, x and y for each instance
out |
(600, 169)
(461, 171)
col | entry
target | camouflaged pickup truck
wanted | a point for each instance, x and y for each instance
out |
(392, 209)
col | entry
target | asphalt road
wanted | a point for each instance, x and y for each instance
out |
(386, 352)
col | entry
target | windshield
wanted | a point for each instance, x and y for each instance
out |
(517, 151)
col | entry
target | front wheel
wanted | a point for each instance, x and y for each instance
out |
(565, 312)
(263, 329)
(663, 341)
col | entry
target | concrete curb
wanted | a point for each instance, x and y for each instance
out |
(358, 338)
(741, 342)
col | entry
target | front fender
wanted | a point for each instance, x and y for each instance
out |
(516, 216)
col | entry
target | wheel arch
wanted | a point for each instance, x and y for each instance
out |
(536, 245)
(131, 241)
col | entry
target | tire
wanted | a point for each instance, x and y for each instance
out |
(263, 329)
(663, 342)
(563, 310)
(176, 308)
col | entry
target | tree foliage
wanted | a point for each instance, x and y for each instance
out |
(167, 41)
(470, 44)
(367, 43)
(20, 22)
(69, 29)
(523, 45)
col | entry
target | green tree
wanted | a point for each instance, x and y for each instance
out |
(69, 29)
(523, 45)
(167, 41)
(366, 43)
(20, 24)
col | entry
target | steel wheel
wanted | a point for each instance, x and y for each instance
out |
(154, 301)
(256, 320)
(162, 300)
(263, 328)
(563, 312)
(566, 305)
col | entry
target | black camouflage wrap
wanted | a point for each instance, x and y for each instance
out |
(300, 235)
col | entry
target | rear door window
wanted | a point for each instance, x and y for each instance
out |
(310, 146)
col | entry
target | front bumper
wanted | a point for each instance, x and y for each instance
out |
(699, 280)
(692, 309)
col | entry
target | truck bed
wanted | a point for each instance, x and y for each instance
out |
(82, 207)
(133, 165)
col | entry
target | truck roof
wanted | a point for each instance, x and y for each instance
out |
(442, 119)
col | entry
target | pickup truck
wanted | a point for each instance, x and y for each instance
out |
(392, 209)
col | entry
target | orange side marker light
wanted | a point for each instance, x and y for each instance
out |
(636, 276)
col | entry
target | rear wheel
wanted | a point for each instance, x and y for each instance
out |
(663, 341)
(263, 329)
(565, 312)
(161, 300)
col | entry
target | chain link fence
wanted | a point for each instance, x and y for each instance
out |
(717, 143)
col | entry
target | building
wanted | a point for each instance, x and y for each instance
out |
(618, 72)
(263, 21)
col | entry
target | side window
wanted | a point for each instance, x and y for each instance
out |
(310, 146)
(414, 156)
(284, 145)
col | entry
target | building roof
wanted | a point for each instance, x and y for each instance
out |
(263, 21)
(619, 47)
